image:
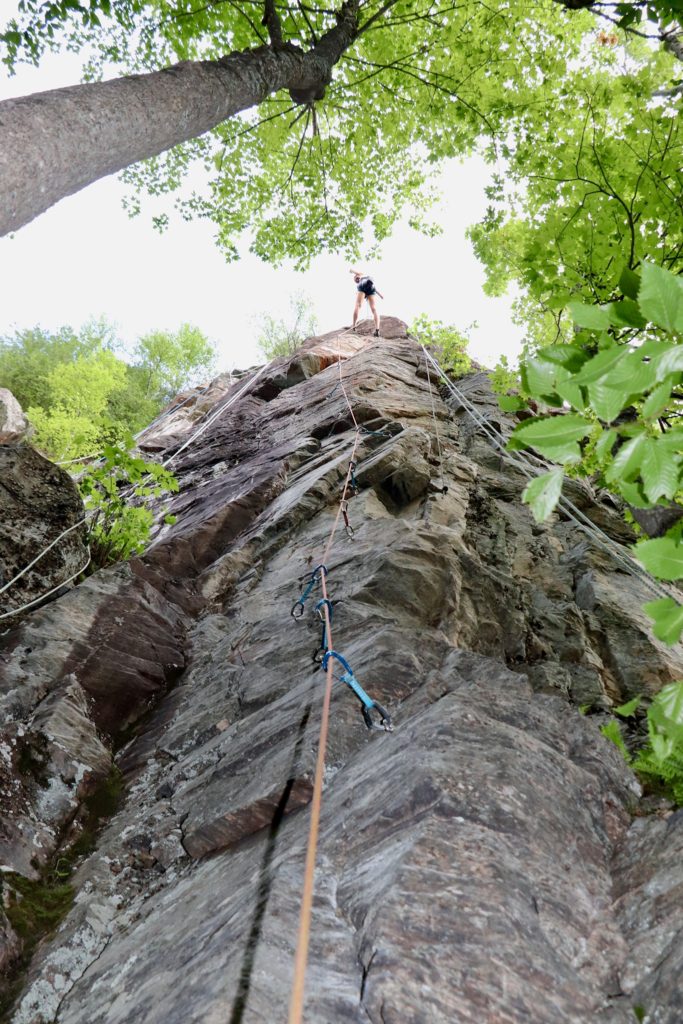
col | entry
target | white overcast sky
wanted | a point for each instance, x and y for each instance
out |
(85, 258)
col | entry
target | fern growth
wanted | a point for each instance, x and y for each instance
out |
(660, 762)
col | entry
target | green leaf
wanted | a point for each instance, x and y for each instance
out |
(572, 393)
(571, 357)
(668, 619)
(606, 402)
(626, 314)
(543, 493)
(657, 400)
(662, 557)
(659, 471)
(538, 376)
(661, 297)
(550, 432)
(628, 709)
(634, 494)
(628, 459)
(629, 283)
(666, 712)
(605, 443)
(511, 403)
(601, 364)
(612, 732)
(672, 439)
(594, 318)
(670, 362)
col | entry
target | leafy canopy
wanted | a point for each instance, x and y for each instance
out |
(422, 82)
(79, 391)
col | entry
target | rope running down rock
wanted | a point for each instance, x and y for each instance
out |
(301, 958)
(522, 460)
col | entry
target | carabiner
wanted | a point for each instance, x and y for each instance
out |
(385, 722)
(345, 513)
(298, 608)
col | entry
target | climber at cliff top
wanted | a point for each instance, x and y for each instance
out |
(366, 290)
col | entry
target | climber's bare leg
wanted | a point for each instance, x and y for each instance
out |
(356, 309)
(373, 307)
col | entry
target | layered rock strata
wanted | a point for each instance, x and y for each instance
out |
(480, 863)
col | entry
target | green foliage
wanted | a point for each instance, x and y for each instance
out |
(116, 492)
(621, 378)
(660, 760)
(304, 185)
(448, 343)
(168, 362)
(503, 378)
(279, 338)
(543, 493)
(613, 733)
(79, 390)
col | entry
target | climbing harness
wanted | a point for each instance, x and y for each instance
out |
(313, 578)
(319, 654)
(368, 704)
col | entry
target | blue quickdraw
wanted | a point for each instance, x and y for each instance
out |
(320, 652)
(367, 703)
(314, 577)
(352, 480)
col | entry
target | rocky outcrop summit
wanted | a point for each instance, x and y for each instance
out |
(481, 863)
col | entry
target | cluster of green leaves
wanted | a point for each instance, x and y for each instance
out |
(621, 378)
(278, 337)
(660, 761)
(117, 492)
(80, 393)
(503, 377)
(397, 106)
(448, 343)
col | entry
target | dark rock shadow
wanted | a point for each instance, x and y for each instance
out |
(265, 881)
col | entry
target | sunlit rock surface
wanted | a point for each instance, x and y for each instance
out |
(14, 426)
(480, 863)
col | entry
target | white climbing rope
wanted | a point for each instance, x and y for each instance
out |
(231, 401)
(434, 419)
(38, 557)
(36, 600)
(214, 416)
(522, 460)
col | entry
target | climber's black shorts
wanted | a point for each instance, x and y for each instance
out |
(365, 293)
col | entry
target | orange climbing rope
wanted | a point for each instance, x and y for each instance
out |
(296, 1004)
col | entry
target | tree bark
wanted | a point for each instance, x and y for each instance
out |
(54, 143)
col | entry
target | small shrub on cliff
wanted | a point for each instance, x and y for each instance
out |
(116, 493)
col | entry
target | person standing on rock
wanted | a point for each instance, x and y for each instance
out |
(365, 290)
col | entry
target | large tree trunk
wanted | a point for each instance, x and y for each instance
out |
(54, 143)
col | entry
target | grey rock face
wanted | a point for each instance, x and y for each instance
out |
(14, 426)
(38, 502)
(478, 864)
